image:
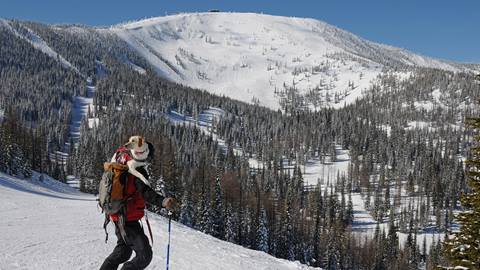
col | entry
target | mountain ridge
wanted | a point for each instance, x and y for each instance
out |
(270, 60)
(160, 19)
(217, 51)
(392, 46)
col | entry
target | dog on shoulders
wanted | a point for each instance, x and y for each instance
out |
(140, 150)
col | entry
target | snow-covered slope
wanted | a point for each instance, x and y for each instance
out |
(48, 225)
(253, 57)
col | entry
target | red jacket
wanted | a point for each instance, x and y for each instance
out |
(136, 190)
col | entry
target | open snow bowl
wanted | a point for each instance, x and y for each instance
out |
(250, 57)
(49, 225)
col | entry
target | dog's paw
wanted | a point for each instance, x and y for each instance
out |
(169, 203)
(144, 180)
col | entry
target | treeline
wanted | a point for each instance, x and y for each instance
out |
(22, 150)
(38, 89)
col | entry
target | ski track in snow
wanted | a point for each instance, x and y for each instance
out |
(49, 225)
(81, 107)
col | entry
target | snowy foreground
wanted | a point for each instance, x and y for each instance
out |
(48, 225)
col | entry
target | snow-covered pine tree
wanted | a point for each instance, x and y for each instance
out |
(17, 162)
(231, 225)
(290, 237)
(288, 229)
(392, 240)
(262, 232)
(218, 225)
(187, 211)
(202, 215)
(3, 157)
(245, 227)
(332, 254)
(348, 214)
(380, 251)
(25, 166)
(461, 248)
(316, 254)
(9, 155)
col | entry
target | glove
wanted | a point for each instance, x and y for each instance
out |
(169, 203)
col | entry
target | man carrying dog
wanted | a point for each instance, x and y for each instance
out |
(130, 236)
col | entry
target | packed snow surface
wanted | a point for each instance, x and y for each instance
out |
(325, 173)
(253, 57)
(49, 225)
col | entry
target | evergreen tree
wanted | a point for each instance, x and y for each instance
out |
(204, 221)
(332, 255)
(187, 211)
(392, 240)
(262, 232)
(231, 225)
(217, 211)
(462, 247)
(245, 228)
(287, 239)
(349, 211)
(316, 233)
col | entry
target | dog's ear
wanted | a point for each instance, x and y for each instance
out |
(140, 141)
(151, 150)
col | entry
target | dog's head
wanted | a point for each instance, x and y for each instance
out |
(137, 143)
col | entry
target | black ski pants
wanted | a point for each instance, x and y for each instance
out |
(137, 241)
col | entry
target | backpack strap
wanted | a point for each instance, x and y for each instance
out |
(105, 224)
(121, 228)
(149, 228)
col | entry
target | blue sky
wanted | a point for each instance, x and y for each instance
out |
(443, 29)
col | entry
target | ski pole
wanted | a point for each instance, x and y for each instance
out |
(169, 232)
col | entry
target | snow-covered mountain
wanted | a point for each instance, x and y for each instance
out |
(254, 57)
(49, 225)
(38, 43)
(246, 56)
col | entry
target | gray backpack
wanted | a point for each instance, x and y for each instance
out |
(112, 192)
